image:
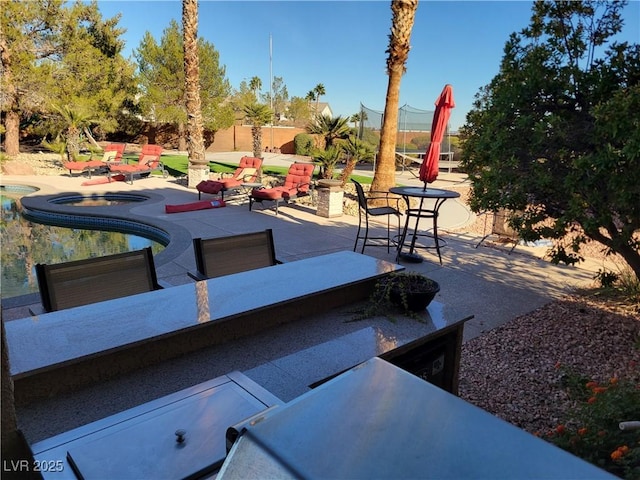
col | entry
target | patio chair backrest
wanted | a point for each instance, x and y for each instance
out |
(150, 156)
(118, 148)
(216, 257)
(80, 282)
(248, 169)
(299, 177)
(362, 199)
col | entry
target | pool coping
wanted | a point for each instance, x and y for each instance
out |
(179, 238)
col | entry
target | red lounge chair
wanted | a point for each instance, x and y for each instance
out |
(296, 184)
(118, 148)
(247, 172)
(112, 154)
(148, 161)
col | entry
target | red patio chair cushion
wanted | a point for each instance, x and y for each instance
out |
(129, 168)
(190, 207)
(299, 177)
(210, 186)
(83, 165)
(274, 193)
(297, 183)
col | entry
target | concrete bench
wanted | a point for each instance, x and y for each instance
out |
(60, 351)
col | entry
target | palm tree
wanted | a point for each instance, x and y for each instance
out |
(198, 165)
(328, 159)
(330, 128)
(258, 115)
(355, 118)
(318, 91)
(356, 150)
(255, 84)
(404, 12)
(74, 120)
(310, 97)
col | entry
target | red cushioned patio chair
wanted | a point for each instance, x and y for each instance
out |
(112, 155)
(109, 150)
(148, 161)
(296, 184)
(247, 172)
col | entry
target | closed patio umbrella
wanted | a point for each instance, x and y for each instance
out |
(444, 104)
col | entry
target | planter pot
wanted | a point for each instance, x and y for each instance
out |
(417, 301)
(328, 182)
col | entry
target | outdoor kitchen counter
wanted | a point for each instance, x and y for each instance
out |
(93, 342)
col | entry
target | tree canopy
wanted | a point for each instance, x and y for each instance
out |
(280, 97)
(329, 128)
(161, 70)
(54, 54)
(555, 135)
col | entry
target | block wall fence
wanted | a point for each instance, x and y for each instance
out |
(239, 138)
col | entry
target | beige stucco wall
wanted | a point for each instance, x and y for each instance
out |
(238, 138)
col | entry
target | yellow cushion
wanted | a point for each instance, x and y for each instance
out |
(247, 174)
(109, 156)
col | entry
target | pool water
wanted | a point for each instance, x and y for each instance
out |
(24, 244)
(98, 200)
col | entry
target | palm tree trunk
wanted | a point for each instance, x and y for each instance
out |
(182, 137)
(385, 174)
(256, 133)
(73, 143)
(348, 170)
(404, 12)
(198, 165)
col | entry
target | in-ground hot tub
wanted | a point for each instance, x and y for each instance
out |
(98, 200)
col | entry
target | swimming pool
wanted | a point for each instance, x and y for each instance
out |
(25, 243)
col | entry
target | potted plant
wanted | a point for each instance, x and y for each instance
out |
(411, 292)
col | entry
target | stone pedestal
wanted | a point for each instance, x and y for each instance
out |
(330, 195)
(197, 173)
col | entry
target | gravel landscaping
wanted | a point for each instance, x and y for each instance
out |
(514, 371)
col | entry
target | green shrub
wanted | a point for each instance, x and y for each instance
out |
(402, 147)
(303, 144)
(624, 282)
(370, 136)
(592, 430)
(391, 294)
(421, 142)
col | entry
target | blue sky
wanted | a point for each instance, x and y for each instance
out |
(342, 44)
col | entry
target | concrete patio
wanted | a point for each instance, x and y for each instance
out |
(486, 282)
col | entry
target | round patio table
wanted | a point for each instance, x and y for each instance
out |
(423, 211)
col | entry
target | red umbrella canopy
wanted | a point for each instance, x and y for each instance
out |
(444, 104)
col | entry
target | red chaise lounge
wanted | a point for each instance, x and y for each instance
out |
(112, 155)
(148, 161)
(296, 184)
(247, 172)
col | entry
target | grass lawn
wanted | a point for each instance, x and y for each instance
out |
(178, 165)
